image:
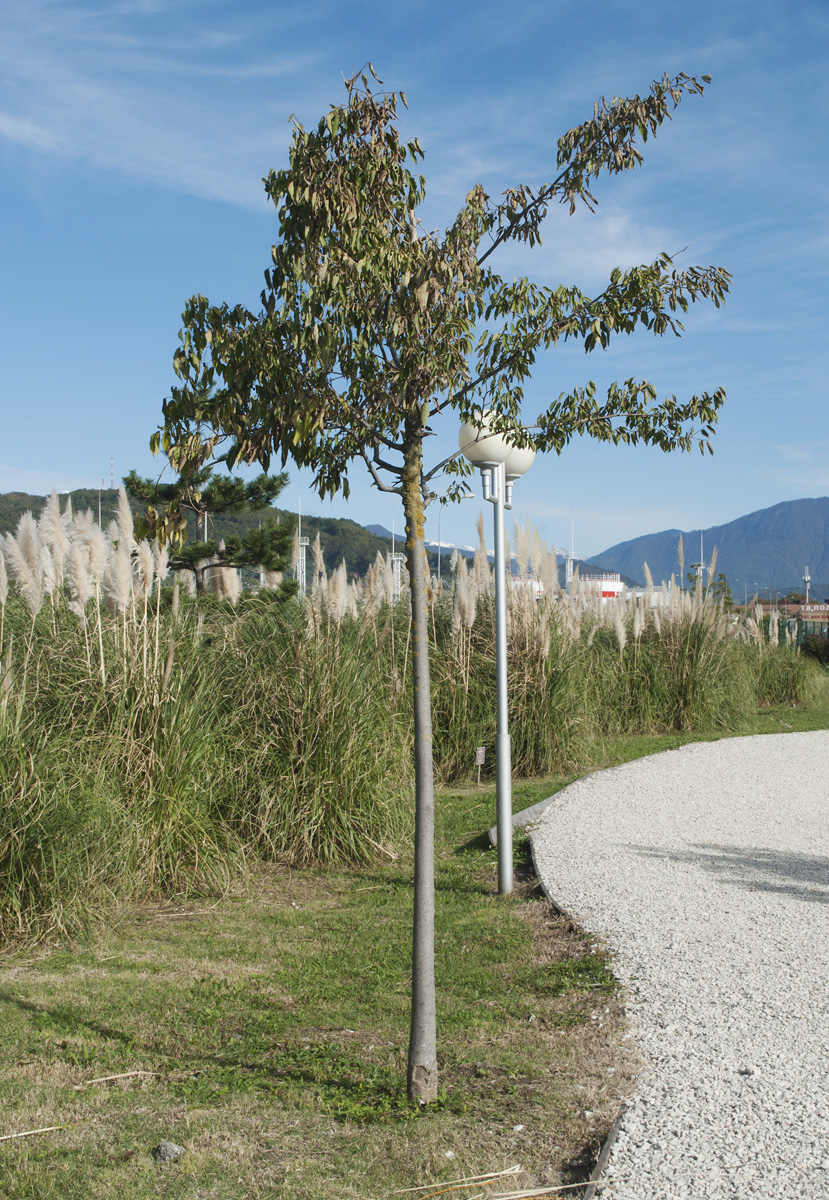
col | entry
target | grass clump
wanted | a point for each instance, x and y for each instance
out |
(314, 741)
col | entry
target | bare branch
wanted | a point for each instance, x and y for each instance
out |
(392, 468)
(378, 482)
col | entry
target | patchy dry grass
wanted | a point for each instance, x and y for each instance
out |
(267, 1034)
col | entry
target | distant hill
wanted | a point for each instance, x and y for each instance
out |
(339, 539)
(446, 548)
(765, 550)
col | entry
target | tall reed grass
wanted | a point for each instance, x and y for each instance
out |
(582, 668)
(150, 744)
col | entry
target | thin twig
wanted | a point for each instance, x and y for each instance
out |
(179, 916)
(109, 1078)
(424, 1187)
(538, 1193)
(7, 1137)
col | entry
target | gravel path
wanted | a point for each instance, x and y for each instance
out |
(706, 871)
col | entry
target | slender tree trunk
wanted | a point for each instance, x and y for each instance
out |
(422, 1074)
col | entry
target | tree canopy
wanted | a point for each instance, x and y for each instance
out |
(203, 494)
(369, 321)
(372, 327)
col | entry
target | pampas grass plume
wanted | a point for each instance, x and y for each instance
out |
(29, 541)
(621, 632)
(712, 567)
(338, 593)
(27, 578)
(81, 586)
(388, 579)
(124, 520)
(98, 550)
(161, 560)
(48, 571)
(53, 529)
(522, 548)
(144, 569)
(320, 582)
(118, 580)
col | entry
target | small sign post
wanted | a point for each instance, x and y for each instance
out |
(480, 759)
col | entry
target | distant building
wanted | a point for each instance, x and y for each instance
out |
(607, 584)
(527, 583)
(815, 618)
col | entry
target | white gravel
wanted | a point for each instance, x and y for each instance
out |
(705, 870)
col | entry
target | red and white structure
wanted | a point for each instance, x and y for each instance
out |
(606, 584)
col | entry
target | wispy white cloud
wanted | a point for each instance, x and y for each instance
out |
(191, 111)
(814, 482)
(27, 133)
(800, 466)
(805, 451)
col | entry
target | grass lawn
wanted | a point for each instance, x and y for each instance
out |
(266, 1034)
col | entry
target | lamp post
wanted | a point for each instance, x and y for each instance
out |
(500, 464)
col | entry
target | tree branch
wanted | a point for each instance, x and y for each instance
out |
(378, 482)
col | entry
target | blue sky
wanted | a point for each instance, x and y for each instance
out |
(134, 135)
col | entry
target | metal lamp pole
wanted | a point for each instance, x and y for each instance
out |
(500, 465)
(503, 749)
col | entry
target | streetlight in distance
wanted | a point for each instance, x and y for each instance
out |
(500, 463)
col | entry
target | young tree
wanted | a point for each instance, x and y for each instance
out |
(203, 494)
(372, 327)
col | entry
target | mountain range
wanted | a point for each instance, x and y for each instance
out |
(767, 550)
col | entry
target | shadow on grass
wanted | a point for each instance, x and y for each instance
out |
(67, 1020)
(479, 844)
(310, 1074)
